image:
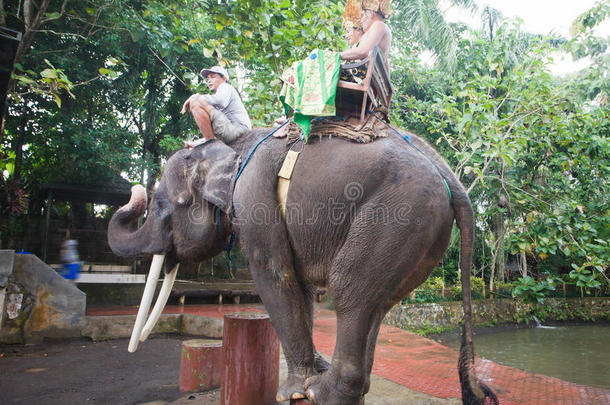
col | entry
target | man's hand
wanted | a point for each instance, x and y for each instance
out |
(187, 104)
(194, 101)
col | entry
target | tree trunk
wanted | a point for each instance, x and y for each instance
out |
(499, 259)
(32, 20)
(151, 123)
(18, 145)
(2, 19)
(492, 273)
(523, 264)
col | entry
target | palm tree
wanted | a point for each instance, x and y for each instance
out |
(423, 21)
(491, 18)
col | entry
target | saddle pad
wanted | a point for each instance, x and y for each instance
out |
(336, 127)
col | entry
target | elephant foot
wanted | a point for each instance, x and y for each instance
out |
(366, 387)
(292, 388)
(325, 389)
(320, 364)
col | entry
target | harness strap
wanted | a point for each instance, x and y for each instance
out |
(254, 149)
(407, 138)
(284, 176)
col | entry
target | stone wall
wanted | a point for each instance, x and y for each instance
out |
(444, 316)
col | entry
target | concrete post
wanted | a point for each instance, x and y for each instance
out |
(251, 351)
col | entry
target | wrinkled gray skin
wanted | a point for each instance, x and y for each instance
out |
(366, 221)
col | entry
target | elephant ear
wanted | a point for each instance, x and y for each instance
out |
(213, 177)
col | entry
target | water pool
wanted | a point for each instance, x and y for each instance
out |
(580, 354)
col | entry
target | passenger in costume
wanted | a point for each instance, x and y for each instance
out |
(353, 33)
(376, 31)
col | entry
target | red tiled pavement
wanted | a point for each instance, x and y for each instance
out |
(422, 364)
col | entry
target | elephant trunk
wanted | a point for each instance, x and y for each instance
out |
(125, 239)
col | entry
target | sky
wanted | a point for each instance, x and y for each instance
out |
(539, 17)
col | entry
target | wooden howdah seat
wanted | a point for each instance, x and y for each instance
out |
(375, 91)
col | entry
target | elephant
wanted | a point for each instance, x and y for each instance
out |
(367, 222)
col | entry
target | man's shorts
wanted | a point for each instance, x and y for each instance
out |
(224, 129)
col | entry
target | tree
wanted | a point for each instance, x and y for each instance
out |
(521, 141)
(421, 24)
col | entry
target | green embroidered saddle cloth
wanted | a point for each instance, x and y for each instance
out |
(310, 86)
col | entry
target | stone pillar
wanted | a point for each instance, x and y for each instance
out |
(251, 368)
(200, 365)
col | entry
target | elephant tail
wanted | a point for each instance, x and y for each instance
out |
(473, 391)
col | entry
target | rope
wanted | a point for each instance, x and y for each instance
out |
(407, 138)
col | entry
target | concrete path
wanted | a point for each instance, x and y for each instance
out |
(407, 364)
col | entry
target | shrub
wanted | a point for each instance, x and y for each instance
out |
(477, 284)
(430, 291)
(532, 291)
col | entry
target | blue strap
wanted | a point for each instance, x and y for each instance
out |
(253, 149)
(407, 138)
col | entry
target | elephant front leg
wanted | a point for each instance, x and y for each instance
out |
(285, 302)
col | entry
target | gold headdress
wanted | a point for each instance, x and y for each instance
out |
(352, 14)
(383, 7)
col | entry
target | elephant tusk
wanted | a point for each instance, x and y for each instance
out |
(149, 291)
(166, 288)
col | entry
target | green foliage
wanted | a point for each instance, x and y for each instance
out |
(585, 276)
(477, 286)
(169, 144)
(531, 291)
(51, 83)
(430, 291)
(513, 130)
(434, 289)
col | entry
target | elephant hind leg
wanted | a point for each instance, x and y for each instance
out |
(344, 382)
(361, 278)
(370, 352)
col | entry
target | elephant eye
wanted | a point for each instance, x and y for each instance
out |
(159, 206)
(183, 198)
